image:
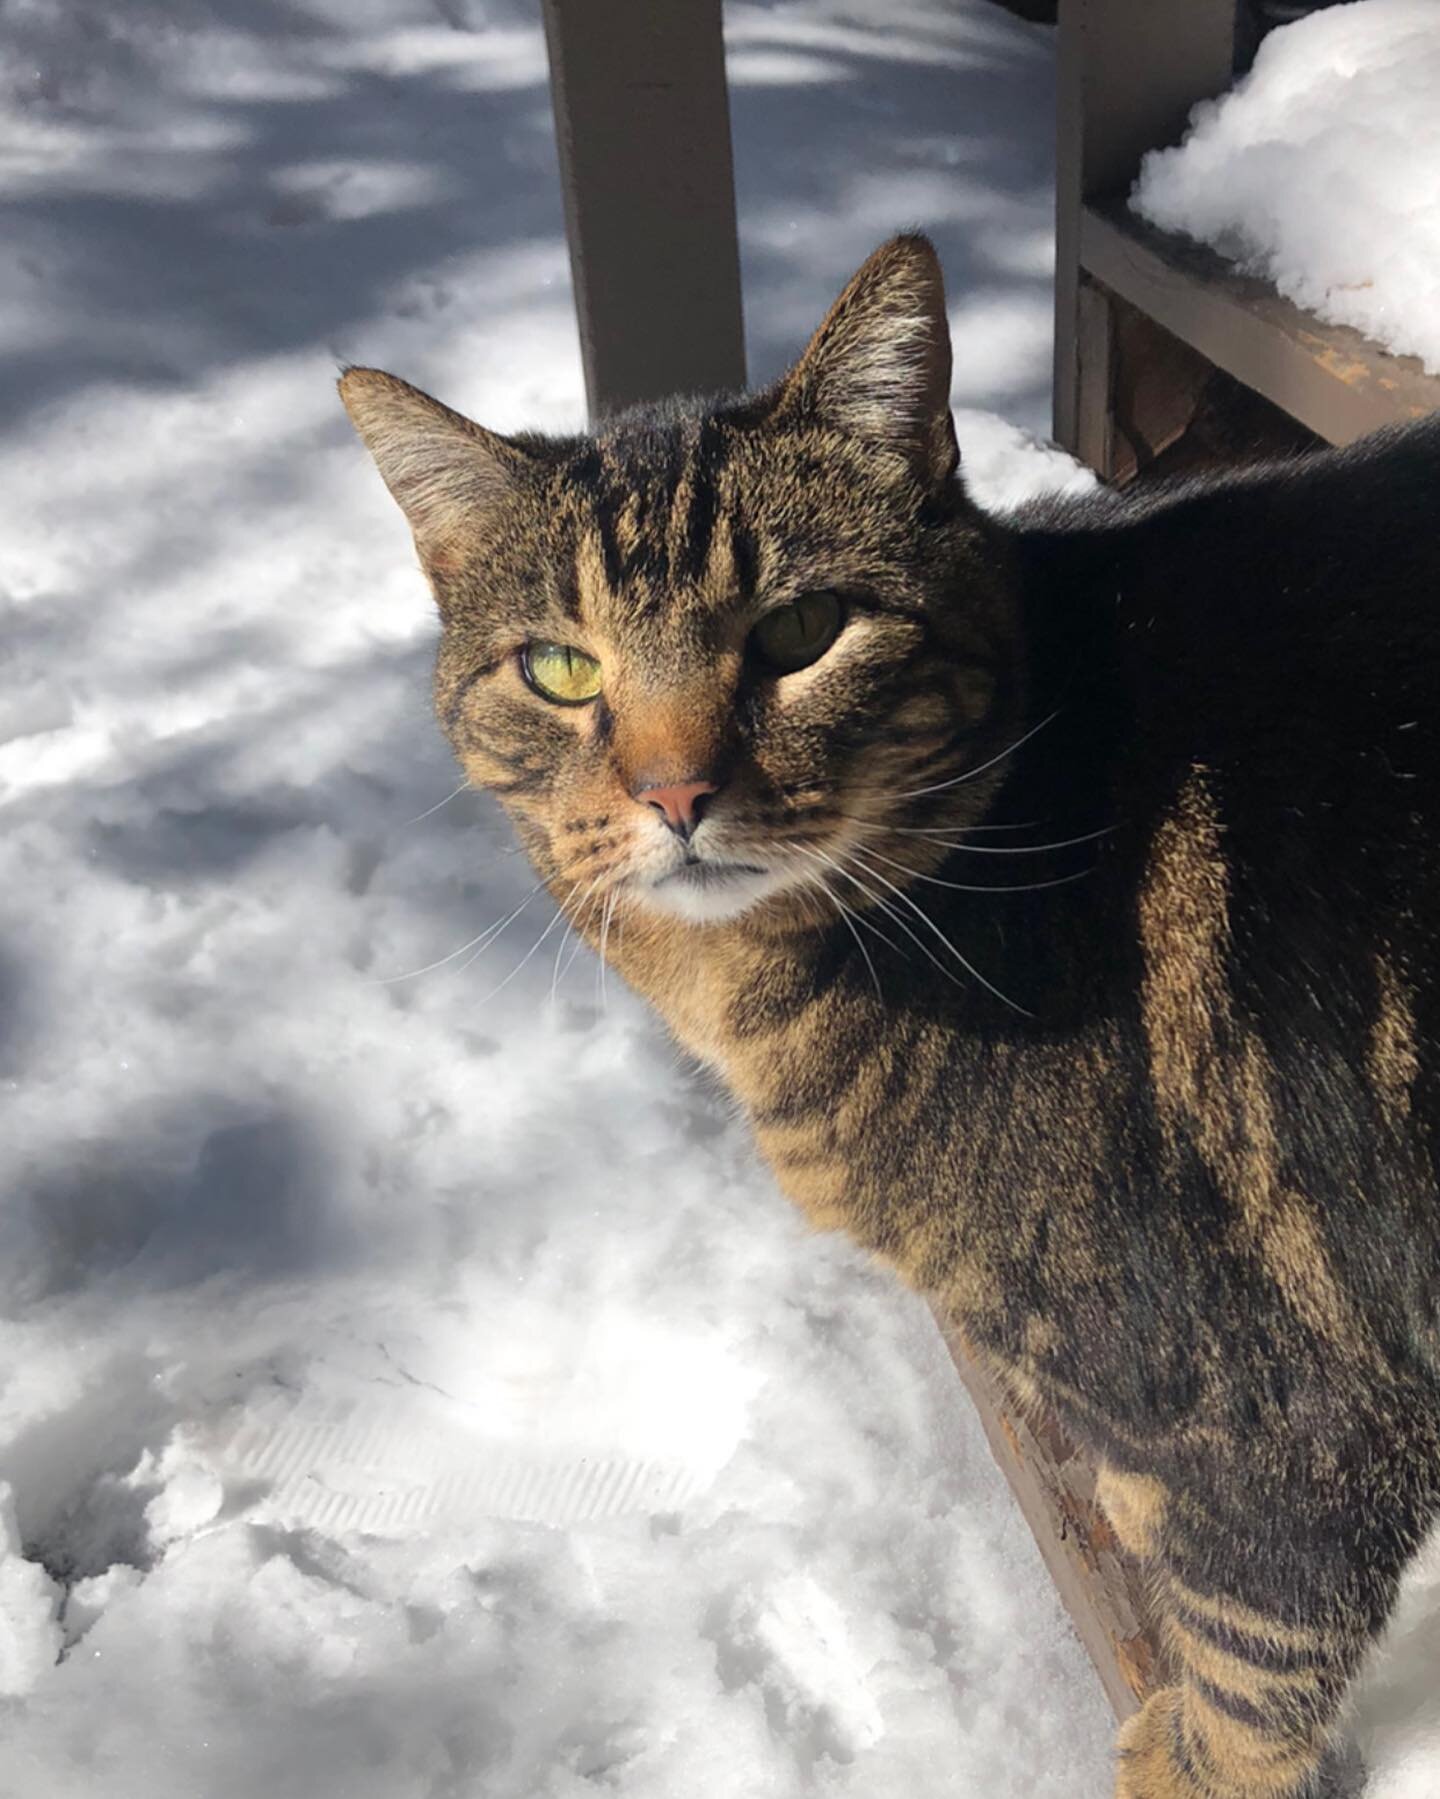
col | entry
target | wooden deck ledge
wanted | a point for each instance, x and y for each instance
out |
(1338, 383)
(1103, 1590)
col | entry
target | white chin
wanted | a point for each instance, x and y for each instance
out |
(702, 894)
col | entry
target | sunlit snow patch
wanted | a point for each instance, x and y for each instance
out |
(618, 1416)
(1321, 171)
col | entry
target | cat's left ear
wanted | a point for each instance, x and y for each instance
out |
(878, 368)
(444, 471)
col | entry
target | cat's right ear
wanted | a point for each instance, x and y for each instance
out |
(443, 470)
(878, 369)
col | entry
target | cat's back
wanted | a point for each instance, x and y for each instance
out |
(1267, 643)
(1386, 480)
(1282, 620)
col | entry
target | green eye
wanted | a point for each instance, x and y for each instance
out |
(796, 635)
(560, 672)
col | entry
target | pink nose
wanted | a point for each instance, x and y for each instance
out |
(679, 804)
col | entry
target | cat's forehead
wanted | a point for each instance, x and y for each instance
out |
(683, 520)
(656, 527)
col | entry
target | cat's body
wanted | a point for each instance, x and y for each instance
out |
(1153, 1111)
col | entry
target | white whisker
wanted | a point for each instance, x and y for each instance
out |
(879, 900)
(947, 840)
(610, 901)
(529, 952)
(430, 810)
(972, 773)
(844, 914)
(929, 924)
(938, 830)
(483, 940)
(579, 943)
(966, 887)
(570, 924)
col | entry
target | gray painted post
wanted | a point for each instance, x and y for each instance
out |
(643, 124)
(1129, 72)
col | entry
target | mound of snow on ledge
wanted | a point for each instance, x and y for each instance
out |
(1321, 171)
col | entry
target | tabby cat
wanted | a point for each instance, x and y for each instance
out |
(1056, 894)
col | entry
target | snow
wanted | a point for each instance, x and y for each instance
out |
(1321, 171)
(853, 119)
(412, 1384)
(1395, 1714)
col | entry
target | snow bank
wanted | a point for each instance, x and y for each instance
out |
(410, 1384)
(1321, 171)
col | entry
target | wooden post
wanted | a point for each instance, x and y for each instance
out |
(643, 125)
(1129, 72)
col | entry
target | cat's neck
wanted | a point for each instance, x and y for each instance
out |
(710, 984)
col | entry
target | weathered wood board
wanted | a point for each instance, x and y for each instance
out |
(1054, 1484)
(1335, 381)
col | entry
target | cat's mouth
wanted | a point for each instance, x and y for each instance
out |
(698, 873)
(701, 890)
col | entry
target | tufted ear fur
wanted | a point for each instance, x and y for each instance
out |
(443, 470)
(878, 368)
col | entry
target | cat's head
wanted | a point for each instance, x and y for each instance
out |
(726, 655)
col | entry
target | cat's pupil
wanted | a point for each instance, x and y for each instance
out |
(561, 673)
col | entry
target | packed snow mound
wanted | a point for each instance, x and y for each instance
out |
(1321, 171)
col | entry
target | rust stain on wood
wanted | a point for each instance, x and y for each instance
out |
(1348, 369)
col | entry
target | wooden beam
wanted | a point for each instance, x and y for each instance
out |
(1054, 1485)
(1140, 388)
(1336, 382)
(1129, 72)
(643, 125)
(1092, 436)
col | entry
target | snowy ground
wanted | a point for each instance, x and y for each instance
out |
(409, 1384)
(410, 1388)
(1321, 171)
